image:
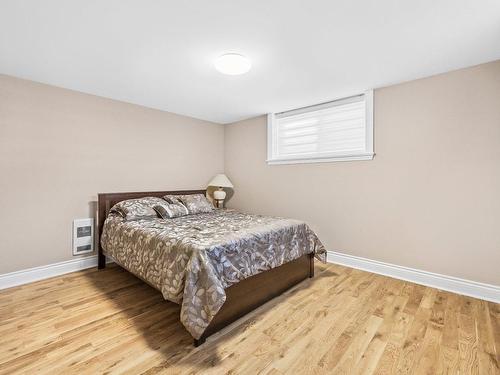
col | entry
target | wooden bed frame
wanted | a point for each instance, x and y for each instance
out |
(241, 298)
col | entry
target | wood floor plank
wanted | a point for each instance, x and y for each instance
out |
(494, 310)
(342, 321)
(448, 361)
(413, 341)
(426, 361)
(450, 328)
(467, 343)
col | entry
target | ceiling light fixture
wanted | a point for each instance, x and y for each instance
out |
(232, 64)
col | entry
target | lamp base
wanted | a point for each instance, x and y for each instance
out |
(219, 194)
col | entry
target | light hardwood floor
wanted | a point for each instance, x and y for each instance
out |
(343, 321)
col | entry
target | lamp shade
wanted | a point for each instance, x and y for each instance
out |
(221, 180)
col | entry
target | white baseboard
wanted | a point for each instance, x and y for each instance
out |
(16, 278)
(449, 283)
(452, 284)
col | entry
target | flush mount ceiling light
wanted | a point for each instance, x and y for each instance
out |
(232, 64)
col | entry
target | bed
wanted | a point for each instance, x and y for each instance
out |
(218, 265)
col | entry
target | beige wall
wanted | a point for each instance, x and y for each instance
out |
(430, 199)
(59, 148)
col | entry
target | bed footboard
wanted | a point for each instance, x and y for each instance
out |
(253, 292)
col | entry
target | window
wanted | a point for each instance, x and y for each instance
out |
(338, 130)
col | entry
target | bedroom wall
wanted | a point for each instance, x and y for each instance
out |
(430, 199)
(59, 148)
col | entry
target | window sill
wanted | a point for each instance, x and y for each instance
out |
(329, 159)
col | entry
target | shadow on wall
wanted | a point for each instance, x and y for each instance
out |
(139, 307)
(93, 214)
(93, 209)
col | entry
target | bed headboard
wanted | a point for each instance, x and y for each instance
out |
(107, 200)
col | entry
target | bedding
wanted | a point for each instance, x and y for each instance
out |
(192, 259)
(133, 209)
(172, 198)
(170, 210)
(196, 203)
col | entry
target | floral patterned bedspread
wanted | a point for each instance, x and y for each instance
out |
(192, 259)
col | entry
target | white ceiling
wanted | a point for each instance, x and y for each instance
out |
(159, 53)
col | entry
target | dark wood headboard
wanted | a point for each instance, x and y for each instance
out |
(107, 200)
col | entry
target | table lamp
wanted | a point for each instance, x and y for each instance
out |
(220, 181)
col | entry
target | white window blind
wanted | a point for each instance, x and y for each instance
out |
(338, 130)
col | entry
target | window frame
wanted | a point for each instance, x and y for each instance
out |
(366, 154)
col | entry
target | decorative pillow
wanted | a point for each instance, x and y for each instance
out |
(141, 208)
(171, 210)
(172, 199)
(196, 203)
